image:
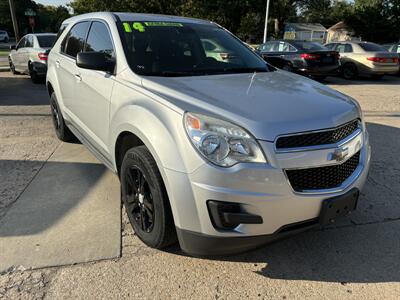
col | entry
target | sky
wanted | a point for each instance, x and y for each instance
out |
(53, 2)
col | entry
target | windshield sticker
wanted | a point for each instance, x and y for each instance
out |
(141, 27)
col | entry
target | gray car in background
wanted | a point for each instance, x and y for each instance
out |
(29, 56)
(365, 59)
(4, 36)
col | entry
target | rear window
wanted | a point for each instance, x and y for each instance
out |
(371, 47)
(46, 41)
(309, 46)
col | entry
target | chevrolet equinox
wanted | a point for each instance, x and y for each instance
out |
(214, 148)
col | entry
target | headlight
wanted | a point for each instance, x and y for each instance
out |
(221, 142)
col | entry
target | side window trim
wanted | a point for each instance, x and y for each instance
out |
(109, 33)
(68, 34)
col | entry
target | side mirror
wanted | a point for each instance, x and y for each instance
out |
(13, 47)
(95, 61)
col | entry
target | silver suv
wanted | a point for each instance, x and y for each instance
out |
(222, 155)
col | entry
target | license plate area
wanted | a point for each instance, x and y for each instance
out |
(337, 207)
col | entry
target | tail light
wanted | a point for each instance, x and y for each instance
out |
(308, 56)
(396, 60)
(42, 56)
(378, 59)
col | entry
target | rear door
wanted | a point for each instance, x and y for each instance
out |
(67, 69)
(94, 89)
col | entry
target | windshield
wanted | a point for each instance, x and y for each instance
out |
(309, 46)
(185, 49)
(46, 41)
(371, 47)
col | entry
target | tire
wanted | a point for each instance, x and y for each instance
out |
(287, 67)
(12, 67)
(319, 78)
(147, 207)
(34, 76)
(349, 71)
(62, 131)
(377, 76)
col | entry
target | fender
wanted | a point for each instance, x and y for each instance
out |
(161, 130)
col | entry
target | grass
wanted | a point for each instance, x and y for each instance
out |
(4, 53)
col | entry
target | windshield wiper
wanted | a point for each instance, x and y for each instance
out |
(173, 73)
(245, 70)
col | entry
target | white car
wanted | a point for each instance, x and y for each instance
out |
(4, 36)
(29, 56)
(222, 156)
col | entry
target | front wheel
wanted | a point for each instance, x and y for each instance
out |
(145, 199)
(12, 67)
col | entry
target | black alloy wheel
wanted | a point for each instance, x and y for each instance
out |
(139, 200)
(145, 199)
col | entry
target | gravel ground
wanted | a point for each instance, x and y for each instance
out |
(357, 258)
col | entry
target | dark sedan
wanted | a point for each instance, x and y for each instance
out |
(308, 58)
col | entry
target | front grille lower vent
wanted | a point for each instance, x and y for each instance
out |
(317, 138)
(320, 178)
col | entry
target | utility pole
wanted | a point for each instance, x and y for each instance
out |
(266, 22)
(14, 20)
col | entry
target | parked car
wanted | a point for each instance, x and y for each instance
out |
(212, 153)
(394, 48)
(308, 58)
(29, 56)
(364, 58)
(4, 36)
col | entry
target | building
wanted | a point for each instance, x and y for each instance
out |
(340, 32)
(305, 32)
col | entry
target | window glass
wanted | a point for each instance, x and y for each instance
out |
(46, 41)
(75, 39)
(371, 47)
(21, 43)
(185, 49)
(270, 47)
(99, 40)
(398, 49)
(29, 41)
(309, 46)
(344, 48)
(330, 46)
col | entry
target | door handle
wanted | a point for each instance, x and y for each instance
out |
(57, 63)
(78, 77)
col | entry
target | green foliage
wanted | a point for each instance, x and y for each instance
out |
(48, 18)
(374, 20)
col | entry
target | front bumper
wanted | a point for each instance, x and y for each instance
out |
(261, 189)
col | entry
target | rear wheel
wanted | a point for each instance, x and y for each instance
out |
(349, 71)
(319, 78)
(34, 76)
(287, 67)
(62, 131)
(145, 199)
(377, 76)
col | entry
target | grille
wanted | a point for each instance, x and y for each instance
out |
(317, 138)
(322, 177)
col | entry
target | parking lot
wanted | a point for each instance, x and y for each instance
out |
(356, 258)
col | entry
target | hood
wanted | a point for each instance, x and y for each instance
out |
(266, 104)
